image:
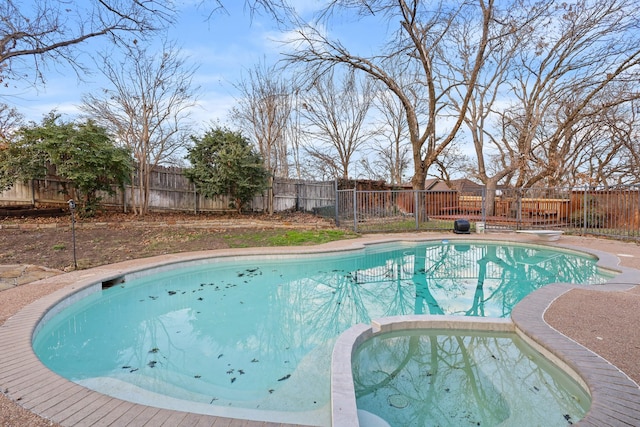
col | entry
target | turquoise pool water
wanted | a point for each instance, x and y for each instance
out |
(459, 379)
(258, 334)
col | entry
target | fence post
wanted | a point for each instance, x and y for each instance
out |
(33, 192)
(416, 209)
(336, 207)
(195, 199)
(355, 211)
(636, 232)
(584, 211)
(519, 207)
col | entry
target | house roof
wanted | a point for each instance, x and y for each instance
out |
(465, 185)
(436, 184)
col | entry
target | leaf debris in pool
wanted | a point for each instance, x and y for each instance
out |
(154, 350)
(152, 364)
(286, 377)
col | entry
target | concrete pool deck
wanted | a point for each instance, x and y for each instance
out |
(541, 317)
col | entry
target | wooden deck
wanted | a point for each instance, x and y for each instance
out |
(533, 221)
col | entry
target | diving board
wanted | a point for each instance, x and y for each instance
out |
(548, 235)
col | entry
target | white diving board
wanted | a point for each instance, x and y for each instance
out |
(548, 235)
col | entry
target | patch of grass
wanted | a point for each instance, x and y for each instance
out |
(405, 225)
(306, 237)
(285, 237)
(59, 247)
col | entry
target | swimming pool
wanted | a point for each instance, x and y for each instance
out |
(254, 335)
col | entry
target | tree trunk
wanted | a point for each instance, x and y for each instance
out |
(490, 197)
(419, 178)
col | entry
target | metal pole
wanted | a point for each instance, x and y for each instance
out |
(584, 211)
(416, 209)
(355, 211)
(336, 207)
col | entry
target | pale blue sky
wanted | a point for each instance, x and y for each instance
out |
(223, 45)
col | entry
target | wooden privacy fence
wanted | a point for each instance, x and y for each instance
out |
(170, 190)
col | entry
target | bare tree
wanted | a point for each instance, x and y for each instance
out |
(391, 149)
(610, 153)
(264, 111)
(423, 41)
(10, 121)
(35, 32)
(336, 109)
(294, 135)
(147, 108)
(566, 78)
(552, 69)
(492, 156)
(451, 162)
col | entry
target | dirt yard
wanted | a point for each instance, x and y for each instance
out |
(110, 238)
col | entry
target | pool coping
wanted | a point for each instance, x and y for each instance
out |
(25, 380)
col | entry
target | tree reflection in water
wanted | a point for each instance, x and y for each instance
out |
(444, 378)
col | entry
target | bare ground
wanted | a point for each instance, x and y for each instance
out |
(110, 238)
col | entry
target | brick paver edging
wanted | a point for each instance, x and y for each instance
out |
(615, 398)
